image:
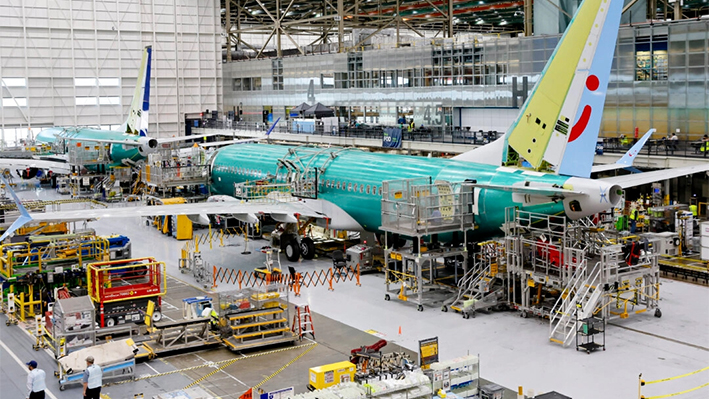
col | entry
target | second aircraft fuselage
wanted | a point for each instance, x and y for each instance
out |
(73, 136)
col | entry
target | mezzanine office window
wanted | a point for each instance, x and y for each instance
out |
(651, 58)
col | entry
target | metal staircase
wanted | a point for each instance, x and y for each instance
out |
(475, 289)
(581, 295)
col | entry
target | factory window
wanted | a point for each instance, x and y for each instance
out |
(109, 82)
(109, 100)
(651, 58)
(327, 81)
(14, 82)
(368, 188)
(341, 80)
(86, 101)
(236, 84)
(79, 82)
(277, 73)
(14, 102)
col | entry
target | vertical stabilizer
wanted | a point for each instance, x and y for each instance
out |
(137, 122)
(559, 121)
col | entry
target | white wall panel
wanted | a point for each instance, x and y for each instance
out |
(50, 42)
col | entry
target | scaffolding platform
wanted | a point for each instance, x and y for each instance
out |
(420, 208)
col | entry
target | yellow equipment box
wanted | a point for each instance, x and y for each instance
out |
(331, 374)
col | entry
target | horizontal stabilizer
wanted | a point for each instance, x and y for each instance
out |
(639, 179)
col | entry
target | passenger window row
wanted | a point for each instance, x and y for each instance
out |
(352, 187)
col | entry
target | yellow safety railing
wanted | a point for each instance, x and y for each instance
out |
(642, 383)
(39, 254)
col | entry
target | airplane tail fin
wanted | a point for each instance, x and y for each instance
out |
(270, 129)
(630, 156)
(24, 217)
(559, 122)
(137, 122)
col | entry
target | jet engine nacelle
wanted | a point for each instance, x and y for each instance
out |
(600, 196)
(147, 146)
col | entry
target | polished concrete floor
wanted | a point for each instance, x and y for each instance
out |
(514, 351)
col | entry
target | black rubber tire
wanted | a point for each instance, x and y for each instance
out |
(292, 250)
(419, 308)
(444, 309)
(387, 297)
(157, 315)
(110, 322)
(307, 248)
(658, 313)
(466, 315)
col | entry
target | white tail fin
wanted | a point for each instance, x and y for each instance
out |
(565, 108)
(137, 122)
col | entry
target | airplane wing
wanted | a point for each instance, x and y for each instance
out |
(627, 160)
(237, 209)
(21, 163)
(228, 142)
(220, 143)
(545, 191)
(128, 143)
(638, 179)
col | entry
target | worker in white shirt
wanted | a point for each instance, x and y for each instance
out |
(35, 381)
(93, 376)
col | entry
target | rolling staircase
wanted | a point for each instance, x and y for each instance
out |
(475, 289)
(581, 295)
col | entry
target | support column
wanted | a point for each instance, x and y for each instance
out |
(528, 22)
(398, 22)
(450, 18)
(341, 25)
(678, 10)
(227, 24)
(279, 51)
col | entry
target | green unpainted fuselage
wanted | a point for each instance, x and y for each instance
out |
(249, 162)
(74, 135)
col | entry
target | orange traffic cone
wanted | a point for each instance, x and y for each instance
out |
(399, 330)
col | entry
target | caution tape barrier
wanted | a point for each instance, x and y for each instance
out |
(210, 364)
(642, 383)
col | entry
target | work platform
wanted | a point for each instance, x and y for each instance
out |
(418, 208)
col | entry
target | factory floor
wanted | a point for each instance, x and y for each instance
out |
(513, 351)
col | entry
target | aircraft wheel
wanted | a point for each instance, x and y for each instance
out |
(292, 250)
(419, 308)
(307, 248)
(387, 297)
(444, 309)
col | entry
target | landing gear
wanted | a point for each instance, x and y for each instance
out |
(307, 248)
(292, 250)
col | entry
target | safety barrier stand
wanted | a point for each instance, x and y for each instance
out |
(642, 383)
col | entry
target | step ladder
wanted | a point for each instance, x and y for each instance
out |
(303, 321)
